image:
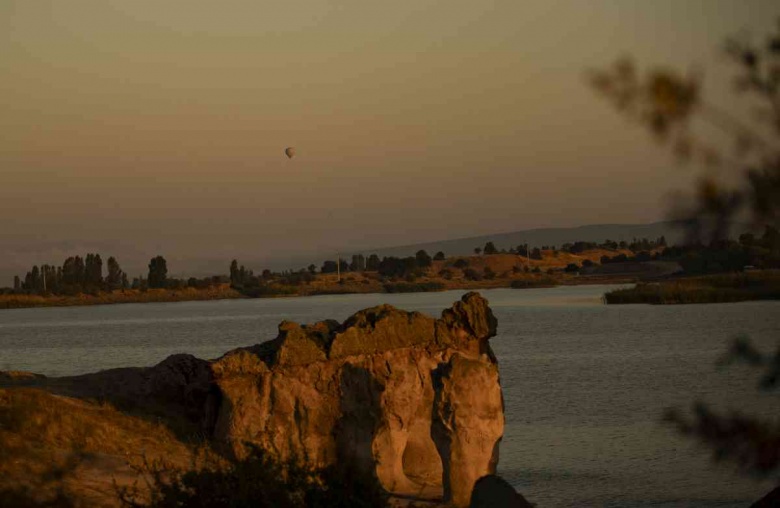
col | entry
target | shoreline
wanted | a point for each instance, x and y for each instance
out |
(224, 292)
(714, 288)
(661, 291)
(117, 297)
(455, 273)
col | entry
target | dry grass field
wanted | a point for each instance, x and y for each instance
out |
(59, 450)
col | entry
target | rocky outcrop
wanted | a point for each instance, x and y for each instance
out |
(417, 400)
(413, 399)
(772, 499)
(492, 491)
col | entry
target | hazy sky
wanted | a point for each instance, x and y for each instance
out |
(134, 127)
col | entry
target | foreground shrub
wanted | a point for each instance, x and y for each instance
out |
(24, 497)
(258, 482)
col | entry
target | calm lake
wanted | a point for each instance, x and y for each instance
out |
(584, 384)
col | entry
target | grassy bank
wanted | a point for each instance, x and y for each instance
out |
(542, 281)
(324, 285)
(738, 287)
(17, 301)
(60, 451)
(413, 287)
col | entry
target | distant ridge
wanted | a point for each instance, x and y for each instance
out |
(537, 238)
(16, 260)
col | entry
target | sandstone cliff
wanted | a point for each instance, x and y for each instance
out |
(415, 400)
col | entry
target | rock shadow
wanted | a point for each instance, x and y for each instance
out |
(361, 414)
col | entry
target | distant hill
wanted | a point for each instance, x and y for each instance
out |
(17, 259)
(537, 238)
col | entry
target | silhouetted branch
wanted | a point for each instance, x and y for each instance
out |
(752, 443)
(743, 350)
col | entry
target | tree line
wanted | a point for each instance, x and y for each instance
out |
(636, 245)
(75, 275)
(86, 275)
(244, 279)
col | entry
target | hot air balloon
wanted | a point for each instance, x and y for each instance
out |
(289, 151)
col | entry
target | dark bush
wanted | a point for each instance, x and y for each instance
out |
(257, 482)
(446, 273)
(461, 263)
(540, 282)
(471, 274)
(643, 256)
(423, 259)
(399, 267)
(328, 267)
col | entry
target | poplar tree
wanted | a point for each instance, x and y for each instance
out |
(158, 272)
(115, 275)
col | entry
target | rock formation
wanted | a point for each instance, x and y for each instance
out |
(414, 399)
(492, 491)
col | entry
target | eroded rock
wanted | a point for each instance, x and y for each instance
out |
(467, 423)
(415, 399)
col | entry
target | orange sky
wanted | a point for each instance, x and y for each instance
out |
(143, 126)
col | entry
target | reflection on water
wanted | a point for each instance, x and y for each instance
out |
(584, 383)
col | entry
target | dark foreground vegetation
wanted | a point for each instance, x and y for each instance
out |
(256, 481)
(665, 101)
(37, 427)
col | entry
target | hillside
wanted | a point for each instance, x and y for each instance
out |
(468, 272)
(16, 259)
(537, 238)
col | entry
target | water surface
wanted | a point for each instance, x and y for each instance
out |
(584, 384)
